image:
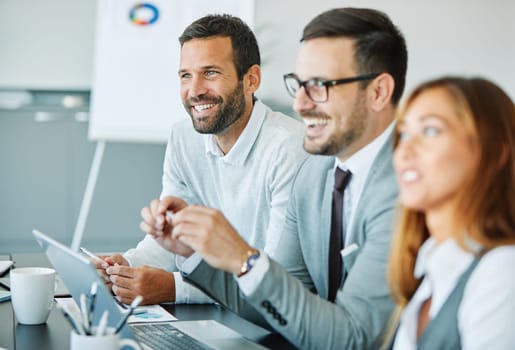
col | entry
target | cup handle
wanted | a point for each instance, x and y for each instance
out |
(130, 343)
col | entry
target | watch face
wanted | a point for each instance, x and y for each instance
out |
(251, 260)
(249, 263)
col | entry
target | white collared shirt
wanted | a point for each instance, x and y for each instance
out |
(486, 315)
(241, 149)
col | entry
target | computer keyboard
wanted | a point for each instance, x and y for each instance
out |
(165, 336)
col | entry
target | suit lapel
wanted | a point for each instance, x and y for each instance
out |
(381, 166)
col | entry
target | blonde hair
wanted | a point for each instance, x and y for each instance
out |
(485, 205)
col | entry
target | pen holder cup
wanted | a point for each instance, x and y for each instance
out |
(108, 341)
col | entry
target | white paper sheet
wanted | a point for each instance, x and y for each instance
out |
(5, 265)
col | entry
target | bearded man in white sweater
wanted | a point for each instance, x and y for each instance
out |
(236, 155)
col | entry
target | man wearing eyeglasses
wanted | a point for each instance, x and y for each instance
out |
(327, 288)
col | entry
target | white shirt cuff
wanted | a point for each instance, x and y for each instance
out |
(187, 265)
(187, 294)
(181, 292)
(249, 282)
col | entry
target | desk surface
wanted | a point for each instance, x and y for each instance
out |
(55, 334)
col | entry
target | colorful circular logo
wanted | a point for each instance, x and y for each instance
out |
(144, 14)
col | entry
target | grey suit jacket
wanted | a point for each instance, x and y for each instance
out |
(292, 297)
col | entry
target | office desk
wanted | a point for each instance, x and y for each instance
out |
(55, 334)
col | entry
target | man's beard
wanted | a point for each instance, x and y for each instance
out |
(339, 142)
(229, 112)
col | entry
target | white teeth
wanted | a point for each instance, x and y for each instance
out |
(410, 175)
(315, 121)
(200, 108)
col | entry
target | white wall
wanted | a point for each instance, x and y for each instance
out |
(49, 44)
(46, 44)
(466, 37)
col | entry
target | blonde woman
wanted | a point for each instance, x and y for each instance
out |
(452, 268)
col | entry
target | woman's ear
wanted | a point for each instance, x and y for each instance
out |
(503, 159)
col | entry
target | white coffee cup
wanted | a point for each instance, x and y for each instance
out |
(32, 293)
(108, 341)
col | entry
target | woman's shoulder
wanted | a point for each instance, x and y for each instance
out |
(499, 256)
(487, 310)
(495, 270)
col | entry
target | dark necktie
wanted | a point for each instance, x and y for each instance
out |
(341, 179)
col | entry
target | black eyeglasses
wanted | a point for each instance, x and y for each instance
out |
(318, 89)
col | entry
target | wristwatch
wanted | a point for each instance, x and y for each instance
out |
(250, 260)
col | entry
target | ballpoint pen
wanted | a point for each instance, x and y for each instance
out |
(92, 298)
(120, 304)
(91, 255)
(77, 327)
(84, 313)
(102, 324)
(98, 259)
(125, 317)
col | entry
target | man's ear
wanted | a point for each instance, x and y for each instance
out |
(381, 91)
(252, 79)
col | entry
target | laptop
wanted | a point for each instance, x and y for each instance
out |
(78, 274)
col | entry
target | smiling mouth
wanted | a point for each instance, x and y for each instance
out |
(410, 176)
(203, 107)
(313, 122)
